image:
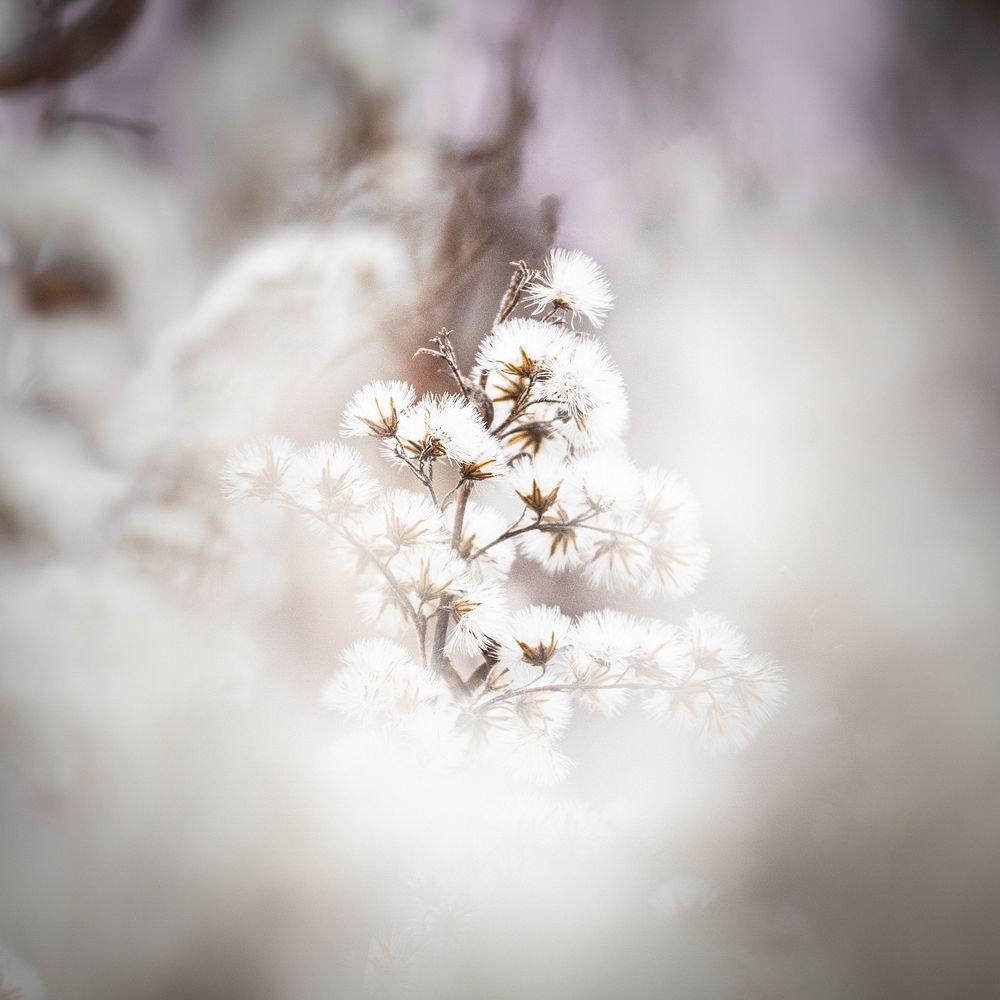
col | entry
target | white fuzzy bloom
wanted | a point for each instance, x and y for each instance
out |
(374, 409)
(545, 714)
(380, 605)
(614, 560)
(403, 518)
(714, 688)
(479, 618)
(520, 735)
(330, 480)
(559, 410)
(606, 647)
(668, 501)
(258, 469)
(554, 546)
(571, 281)
(379, 683)
(588, 386)
(520, 347)
(537, 636)
(675, 567)
(538, 482)
(447, 427)
(430, 572)
(757, 690)
(713, 642)
(661, 649)
(535, 722)
(604, 482)
(641, 529)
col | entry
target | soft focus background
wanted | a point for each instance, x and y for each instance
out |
(217, 219)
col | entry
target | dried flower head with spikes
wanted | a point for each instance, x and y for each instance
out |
(571, 283)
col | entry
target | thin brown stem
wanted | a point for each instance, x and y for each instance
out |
(441, 628)
(617, 685)
(418, 471)
(538, 525)
(521, 276)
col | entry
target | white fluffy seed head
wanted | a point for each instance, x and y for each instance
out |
(520, 346)
(479, 618)
(403, 518)
(331, 481)
(606, 647)
(713, 686)
(589, 388)
(538, 636)
(429, 573)
(604, 482)
(552, 546)
(446, 427)
(669, 502)
(571, 282)
(374, 409)
(538, 482)
(675, 567)
(379, 683)
(713, 642)
(258, 469)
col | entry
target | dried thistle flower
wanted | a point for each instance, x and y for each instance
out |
(571, 282)
(374, 409)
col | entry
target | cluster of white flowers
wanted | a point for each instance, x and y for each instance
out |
(537, 424)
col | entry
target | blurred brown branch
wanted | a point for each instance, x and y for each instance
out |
(57, 52)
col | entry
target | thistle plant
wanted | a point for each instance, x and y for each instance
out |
(521, 459)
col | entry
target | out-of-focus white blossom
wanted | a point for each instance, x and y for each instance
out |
(676, 567)
(571, 281)
(537, 721)
(430, 572)
(381, 605)
(715, 688)
(258, 469)
(538, 761)
(379, 682)
(403, 518)
(614, 559)
(604, 482)
(669, 502)
(713, 642)
(374, 409)
(606, 646)
(330, 480)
